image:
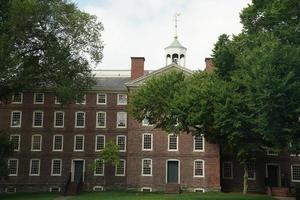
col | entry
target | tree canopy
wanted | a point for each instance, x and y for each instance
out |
(47, 44)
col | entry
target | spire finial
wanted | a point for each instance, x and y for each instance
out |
(176, 20)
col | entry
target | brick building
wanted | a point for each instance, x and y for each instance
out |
(55, 144)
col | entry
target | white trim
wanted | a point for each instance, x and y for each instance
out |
(33, 118)
(146, 188)
(54, 124)
(118, 102)
(14, 102)
(104, 119)
(11, 118)
(292, 177)
(272, 154)
(39, 169)
(98, 99)
(96, 150)
(199, 189)
(73, 168)
(151, 167)
(103, 167)
(203, 168)
(177, 141)
(77, 112)
(41, 138)
(17, 166)
(62, 141)
(125, 120)
(279, 172)
(19, 140)
(203, 143)
(60, 167)
(75, 143)
(56, 101)
(124, 168)
(143, 142)
(54, 188)
(166, 176)
(124, 141)
(98, 188)
(34, 98)
(231, 168)
(10, 187)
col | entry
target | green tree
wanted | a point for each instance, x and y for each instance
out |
(47, 45)
(5, 152)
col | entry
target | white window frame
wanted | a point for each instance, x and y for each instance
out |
(125, 120)
(151, 167)
(124, 168)
(34, 98)
(80, 150)
(33, 119)
(97, 119)
(231, 168)
(60, 167)
(145, 124)
(56, 101)
(19, 140)
(117, 139)
(17, 166)
(76, 126)
(16, 102)
(203, 168)
(143, 142)
(98, 99)
(97, 150)
(103, 167)
(203, 143)
(118, 101)
(252, 178)
(62, 141)
(146, 188)
(55, 126)
(11, 118)
(272, 154)
(40, 142)
(292, 176)
(169, 135)
(30, 167)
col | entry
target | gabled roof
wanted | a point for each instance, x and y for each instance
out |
(142, 79)
(111, 83)
(175, 44)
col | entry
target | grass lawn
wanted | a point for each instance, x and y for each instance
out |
(138, 196)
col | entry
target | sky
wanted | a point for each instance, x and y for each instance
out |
(144, 28)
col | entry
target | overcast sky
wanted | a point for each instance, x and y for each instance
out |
(145, 27)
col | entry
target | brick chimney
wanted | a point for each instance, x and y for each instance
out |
(209, 66)
(137, 67)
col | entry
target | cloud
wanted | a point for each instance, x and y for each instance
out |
(146, 27)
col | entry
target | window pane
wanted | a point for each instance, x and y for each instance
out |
(296, 173)
(35, 167)
(12, 167)
(39, 98)
(17, 98)
(57, 142)
(121, 119)
(37, 119)
(99, 167)
(15, 140)
(198, 143)
(101, 98)
(101, 119)
(199, 168)
(36, 143)
(79, 143)
(147, 142)
(147, 167)
(173, 142)
(80, 119)
(122, 99)
(121, 142)
(59, 119)
(100, 142)
(56, 167)
(16, 118)
(120, 168)
(227, 170)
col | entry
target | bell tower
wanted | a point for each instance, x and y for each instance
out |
(175, 52)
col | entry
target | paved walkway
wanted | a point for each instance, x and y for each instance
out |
(286, 198)
(63, 198)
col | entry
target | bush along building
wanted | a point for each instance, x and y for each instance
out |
(55, 144)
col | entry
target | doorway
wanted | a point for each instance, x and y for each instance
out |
(77, 170)
(172, 171)
(273, 175)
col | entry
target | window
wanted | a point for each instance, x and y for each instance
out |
(198, 168)
(38, 98)
(147, 142)
(172, 142)
(57, 100)
(80, 119)
(295, 173)
(16, 119)
(100, 142)
(34, 167)
(147, 167)
(78, 143)
(121, 142)
(227, 170)
(101, 98)
(120, 168)
(36, 143)
(37, 119)
(15, 140)
(146, 189)
(146, 122)
(17, 98)
(122, 99)
(198, 143)
(59, 117)
(251, 170)
(101, 120)
(58, 141)
(271, 152)
(13, 167)
(99, 167)
(56, 167)
(83, 101)
(121, 119)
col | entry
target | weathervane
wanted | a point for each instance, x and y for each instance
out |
(176, 20)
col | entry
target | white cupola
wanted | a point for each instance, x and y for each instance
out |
(175, 53)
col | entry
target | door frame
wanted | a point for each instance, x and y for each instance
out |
(279, 172)
(178, 161)
(73, 168)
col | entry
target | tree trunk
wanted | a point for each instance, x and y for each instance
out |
(245, 179)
